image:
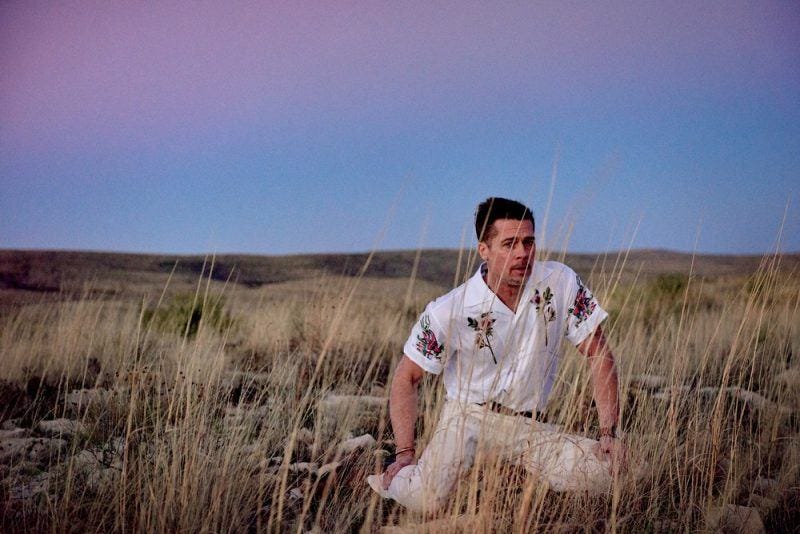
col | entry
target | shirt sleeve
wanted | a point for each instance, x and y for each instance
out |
(584, 314)
(426, 344)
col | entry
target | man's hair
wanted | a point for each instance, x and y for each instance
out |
(494, 208)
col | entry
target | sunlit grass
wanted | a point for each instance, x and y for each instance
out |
(202, 431)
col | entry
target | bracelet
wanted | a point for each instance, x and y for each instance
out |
(405, 449)
(611, 431)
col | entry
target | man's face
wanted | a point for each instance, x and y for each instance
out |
(509, 252)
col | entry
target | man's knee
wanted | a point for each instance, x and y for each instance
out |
(423, 490)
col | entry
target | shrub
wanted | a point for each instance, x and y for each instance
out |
(184, 313)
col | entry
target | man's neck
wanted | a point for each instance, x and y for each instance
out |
(508, 294)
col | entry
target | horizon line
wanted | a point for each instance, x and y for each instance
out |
(362, 252)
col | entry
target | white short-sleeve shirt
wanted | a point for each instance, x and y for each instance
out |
(490, 353)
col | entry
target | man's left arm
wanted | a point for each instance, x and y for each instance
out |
(605, 386)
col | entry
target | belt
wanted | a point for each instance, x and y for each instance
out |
(499, 408)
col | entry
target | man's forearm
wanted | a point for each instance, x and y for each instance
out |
(403, 411)
(604, 378)
(606, 387)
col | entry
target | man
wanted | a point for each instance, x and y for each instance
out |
(497, 339)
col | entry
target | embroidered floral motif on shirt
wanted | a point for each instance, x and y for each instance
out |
(584, 304)
(427, 343)
(544, 307)
(483, 331)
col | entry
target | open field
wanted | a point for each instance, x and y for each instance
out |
(245, 393)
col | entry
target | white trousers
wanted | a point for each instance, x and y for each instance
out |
(565, 462)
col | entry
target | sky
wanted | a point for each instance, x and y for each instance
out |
(295, 127)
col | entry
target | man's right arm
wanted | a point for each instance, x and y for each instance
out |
(403, 413)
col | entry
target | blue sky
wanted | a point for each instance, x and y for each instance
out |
(274, 128)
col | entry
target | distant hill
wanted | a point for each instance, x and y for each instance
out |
(43, 271)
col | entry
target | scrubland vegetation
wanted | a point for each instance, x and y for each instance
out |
(207, 404)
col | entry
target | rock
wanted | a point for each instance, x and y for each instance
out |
(764, 504)
(29, 487)
(342, 413)
(251, 416)
(649, 381)
(86, 461)
(303, 467)
(739, 519)
(378, 391)
(61, 428)
(758, 402)
(446, 525)
(246, 386)
(117, 446)
(662, 396)
(789, 377)
(328, 469)
(101, 479)
(84, 399)
(354, 444)
(12, 424)
(676, 392)
(766, 486)
(39, 450)
(15, 433)
(305, 435)
(232, 380)
(666, 525)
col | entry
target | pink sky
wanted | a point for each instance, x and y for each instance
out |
(113, 114)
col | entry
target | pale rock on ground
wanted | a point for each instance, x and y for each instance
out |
(15, 433)
(39, 450)
(84, 399)
(733, 518)
(328, 469)
(647, 381)
(755, 400)
(101, 479)
(764, 504)
(246, 415)
(86, 461)
(28, 487)
(342, 413)
(11, 424)
(303, 467)
(61, 428)
(353, 444)
(305, 435)
(766, 486)
(758, 401)
(243, 379)
(789, 377)
(460, 523)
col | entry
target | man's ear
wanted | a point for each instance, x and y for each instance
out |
(483, 250)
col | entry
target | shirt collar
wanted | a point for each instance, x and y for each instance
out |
(477, 292)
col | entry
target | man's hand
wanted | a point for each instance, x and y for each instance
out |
(616, 450)
(400, 461)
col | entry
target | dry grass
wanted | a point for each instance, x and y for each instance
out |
(202, 432)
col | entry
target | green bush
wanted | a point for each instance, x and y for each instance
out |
(184, 314)
(668, 286)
